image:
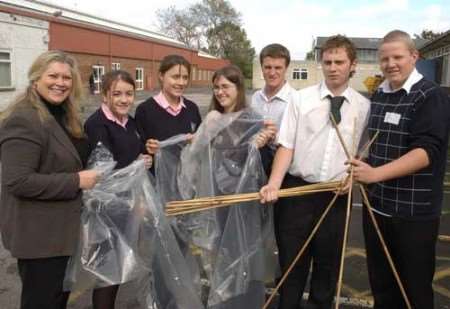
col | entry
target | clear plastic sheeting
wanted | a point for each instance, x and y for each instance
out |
(227, 245)
(124, 234)
(167, 166)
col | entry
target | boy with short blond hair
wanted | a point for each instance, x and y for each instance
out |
(405, 170)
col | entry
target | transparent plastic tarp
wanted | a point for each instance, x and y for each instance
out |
(124, 234)
(227, 245)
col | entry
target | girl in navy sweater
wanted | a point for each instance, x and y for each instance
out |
(168, 113)
(116, 130)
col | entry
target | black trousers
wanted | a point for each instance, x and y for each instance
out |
(42, 283)
(412, 245)
(295, 218)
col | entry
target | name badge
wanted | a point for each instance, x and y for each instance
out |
(392, 118)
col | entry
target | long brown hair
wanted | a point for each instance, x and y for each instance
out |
(31, 97)
(234, 75)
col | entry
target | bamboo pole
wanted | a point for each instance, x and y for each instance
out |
(383, 244)
(344, 243)
(225, 197)
(347, 219)
(191, 206)
(300, 253)
(187, 210)
(341, 139)
(380, 236)
(366, 147)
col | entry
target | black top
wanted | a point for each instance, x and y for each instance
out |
(80, 144)
(155, 122)
(418, 119)
(124, 143)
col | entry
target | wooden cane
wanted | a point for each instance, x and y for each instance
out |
(383, 244)
(341, 139)
(300, 253)
(366, 147)
(347, 217)
(380, 236)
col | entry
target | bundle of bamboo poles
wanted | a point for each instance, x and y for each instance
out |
(176, 208)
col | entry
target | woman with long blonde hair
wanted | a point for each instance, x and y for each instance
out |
(42, 150)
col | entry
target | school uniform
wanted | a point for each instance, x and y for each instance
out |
(318, 156)
(408, 208)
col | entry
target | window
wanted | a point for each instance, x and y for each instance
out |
(5, 69)
(304, 74)
(367, 55)
(300, 74)
(139, 78)
(115, 66)
(193, 73)
(97, 73)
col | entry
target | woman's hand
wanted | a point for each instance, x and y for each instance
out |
(148, 160)
(152, 146)
(88, 179)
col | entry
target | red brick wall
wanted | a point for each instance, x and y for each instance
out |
(96, 47)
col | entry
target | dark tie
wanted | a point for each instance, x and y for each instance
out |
(336, 103)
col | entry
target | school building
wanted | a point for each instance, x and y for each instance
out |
(304, 73)
(29, 27)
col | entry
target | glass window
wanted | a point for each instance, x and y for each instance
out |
(115, 66)
(5, 69)
(139, 78)
(300, 74)
(97, 73)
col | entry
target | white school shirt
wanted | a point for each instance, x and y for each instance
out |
(274, 107)
(307, 129)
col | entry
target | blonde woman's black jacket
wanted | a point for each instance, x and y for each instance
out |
(40, 196)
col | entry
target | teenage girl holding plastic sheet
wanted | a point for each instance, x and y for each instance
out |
(223, 158)
(168, 113)
(112, 125)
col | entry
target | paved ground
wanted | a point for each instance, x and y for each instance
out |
(355, 290)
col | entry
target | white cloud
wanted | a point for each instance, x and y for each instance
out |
(435, 19)
(293, 23)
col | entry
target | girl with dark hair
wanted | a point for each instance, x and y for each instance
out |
(112, 125)
(168, 113)
(116, 130)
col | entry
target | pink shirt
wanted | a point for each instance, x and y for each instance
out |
(173, 110)
(110, 116)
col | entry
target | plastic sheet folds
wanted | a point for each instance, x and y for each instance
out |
(231, 248)
(125, 234)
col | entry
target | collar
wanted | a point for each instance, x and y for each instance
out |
(413, 78)
(110, 116)
(162, 101)
(324, 92)
(282, 94)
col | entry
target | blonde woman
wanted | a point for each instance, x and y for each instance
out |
(42, 149)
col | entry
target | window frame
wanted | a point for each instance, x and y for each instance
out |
(98, 77)
(115, 66)
(139, 82)
(11, 73)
